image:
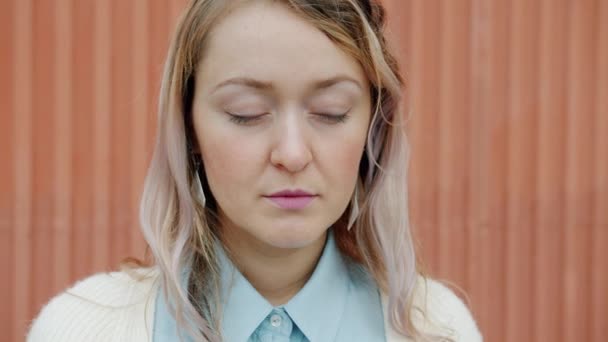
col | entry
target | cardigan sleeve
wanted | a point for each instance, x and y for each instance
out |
(103, 307)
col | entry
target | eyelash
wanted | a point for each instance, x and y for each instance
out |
(244, 120)
(334, 118)
(247, 120)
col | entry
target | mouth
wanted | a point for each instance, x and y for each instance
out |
(291, 199)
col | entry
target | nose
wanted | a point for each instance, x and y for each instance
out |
(291, 150)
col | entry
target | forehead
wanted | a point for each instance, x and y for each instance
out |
(269, 41)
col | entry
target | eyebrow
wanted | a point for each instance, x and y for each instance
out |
(262, 85)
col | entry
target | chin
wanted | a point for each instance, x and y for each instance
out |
(291, 237)
(290, 243)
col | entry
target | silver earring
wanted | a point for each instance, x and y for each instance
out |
(198, 186)
(354, 208)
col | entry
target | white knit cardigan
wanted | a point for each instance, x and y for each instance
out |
(117, 307)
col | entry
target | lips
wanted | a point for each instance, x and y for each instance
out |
(291, 193)
(291, 199)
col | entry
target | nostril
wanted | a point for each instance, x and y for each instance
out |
(291, 161)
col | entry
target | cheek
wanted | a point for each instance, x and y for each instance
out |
(342, 161)
(346, 160)
(225, 158)
(229, 163)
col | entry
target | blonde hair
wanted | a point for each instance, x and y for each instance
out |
(181, 233)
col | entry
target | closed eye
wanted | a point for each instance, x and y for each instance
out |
(245, 119)
(332, 118)
(252, 119)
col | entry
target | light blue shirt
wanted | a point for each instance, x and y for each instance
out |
(340, 302)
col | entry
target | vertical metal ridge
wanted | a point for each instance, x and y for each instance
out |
(23, 85)
(101, 134)
(599, 294)
(43, 172)
(550, 173)
(63, 145)
(490, 99)
(477, 217)
(7, 171)
(139, 119)
(579, 170)
(83, 97)
(521, 159)
(453, 124)
(424, 57)
(121, 220)
(158, 41)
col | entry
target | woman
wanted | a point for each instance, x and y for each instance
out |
(275, 204)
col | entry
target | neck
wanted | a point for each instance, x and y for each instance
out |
(276, 273)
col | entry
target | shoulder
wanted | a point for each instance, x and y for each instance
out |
(105, 306)
(443, 312)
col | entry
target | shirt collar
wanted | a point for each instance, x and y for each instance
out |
(316, 309)
(243, 308)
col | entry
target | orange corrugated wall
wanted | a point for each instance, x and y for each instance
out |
(508, 126)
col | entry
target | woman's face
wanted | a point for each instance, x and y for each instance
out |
(278, 107)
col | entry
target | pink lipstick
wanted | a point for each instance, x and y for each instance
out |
(291, 199)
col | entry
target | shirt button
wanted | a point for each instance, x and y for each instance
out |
(275, 321)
